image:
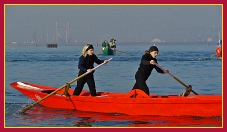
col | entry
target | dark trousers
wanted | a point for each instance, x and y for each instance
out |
(141, 83)
(89, 79)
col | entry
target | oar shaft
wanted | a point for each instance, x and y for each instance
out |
(195, 92)
(180, 81)
(99, 52)
(176, 79)
(122, 52)
(172, 76)
(100, 65)
(27, 108)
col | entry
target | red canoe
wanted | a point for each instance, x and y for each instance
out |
(125, 103)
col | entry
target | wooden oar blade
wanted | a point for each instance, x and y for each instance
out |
(27, 108)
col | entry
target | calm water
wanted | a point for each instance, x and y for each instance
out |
(194, 64)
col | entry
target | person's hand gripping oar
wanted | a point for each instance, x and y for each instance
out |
(75, 79)
(188, 88)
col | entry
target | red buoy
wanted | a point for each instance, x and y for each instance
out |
(219, 51)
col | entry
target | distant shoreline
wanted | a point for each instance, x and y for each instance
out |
(119, 43)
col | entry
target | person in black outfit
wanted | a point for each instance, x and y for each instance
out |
(86, 64)
(146, 66)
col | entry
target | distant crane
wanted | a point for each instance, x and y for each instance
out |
(67, 35)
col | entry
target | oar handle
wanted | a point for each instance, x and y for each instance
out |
(86, 73)
(99, 65)
(27, 108)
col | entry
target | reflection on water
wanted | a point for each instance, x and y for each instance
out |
(47, 117)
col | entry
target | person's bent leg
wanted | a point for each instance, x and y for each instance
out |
(141, 83)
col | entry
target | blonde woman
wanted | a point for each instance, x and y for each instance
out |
(86, 63)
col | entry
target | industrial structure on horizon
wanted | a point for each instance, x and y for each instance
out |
(56, 39)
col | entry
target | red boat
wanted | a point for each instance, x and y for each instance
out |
(219, 49)
(135, 102)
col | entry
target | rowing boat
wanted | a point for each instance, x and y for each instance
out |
(136, 102)
(219, 49)
(108, 51)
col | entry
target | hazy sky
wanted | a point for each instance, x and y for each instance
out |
(93, 24)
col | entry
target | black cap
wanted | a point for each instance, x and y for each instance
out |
(90, 46)
(153, 48)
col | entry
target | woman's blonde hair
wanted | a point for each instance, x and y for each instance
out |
(85, 49)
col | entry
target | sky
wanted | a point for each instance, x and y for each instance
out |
(125, 23)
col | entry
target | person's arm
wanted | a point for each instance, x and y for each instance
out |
(145, 60)
(97, 60)
(158, 69)
(81, 64)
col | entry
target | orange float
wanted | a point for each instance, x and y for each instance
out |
(219, 51)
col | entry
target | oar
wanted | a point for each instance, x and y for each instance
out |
(75, 79)
(177, 79)
(123, 52)
(99, 52)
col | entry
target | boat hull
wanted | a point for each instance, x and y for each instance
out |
(125, 103)
(219, 51)
(108, 51)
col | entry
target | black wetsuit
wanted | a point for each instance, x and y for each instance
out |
(86, 63)
(144, 71)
